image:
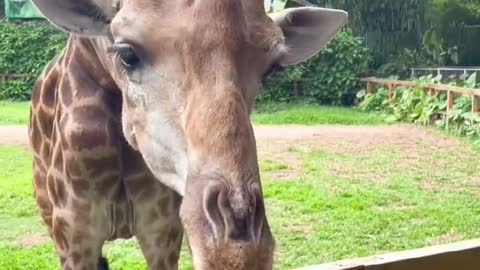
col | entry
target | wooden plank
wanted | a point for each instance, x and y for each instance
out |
(457, 256)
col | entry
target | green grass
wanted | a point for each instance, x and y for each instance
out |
(342, 204)
(12, 113)
(302, 114)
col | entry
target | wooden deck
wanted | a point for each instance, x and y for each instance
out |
(457, 256)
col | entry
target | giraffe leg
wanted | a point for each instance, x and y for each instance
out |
(103, 264)
(159, 229)
(70, 226)
(79, 233)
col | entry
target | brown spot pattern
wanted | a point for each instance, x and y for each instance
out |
(80, 187)
(48, 93)
(76, 258)
(37, 92)
(105, 186)
(160, 240)
(164, 205)
(89, 131)
(72, 168)
(66, 91)
(97, 167)
(153, 216)
(64, 120)
(57, 191)
(173, 258)
(60, 227)
(173, 236)
(45, 122)
(36, 136)
(58, 159)
(88, 252)
(160, 264)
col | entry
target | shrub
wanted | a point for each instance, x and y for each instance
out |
(26, 48)
(330, 77)
(415, 105)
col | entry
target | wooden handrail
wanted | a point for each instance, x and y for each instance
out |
(436, 87)
(431, 88)
(6, 77)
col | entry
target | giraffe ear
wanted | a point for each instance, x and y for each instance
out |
(307, 30)
(82, 17)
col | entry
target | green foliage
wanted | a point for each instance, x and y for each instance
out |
(399, 64)
(439, 28)
(389, 26)
(330, 77)
(449, 40)
(415, 105)
(26, 48)
(17, 89)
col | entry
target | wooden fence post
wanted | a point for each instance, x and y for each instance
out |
(431, 91)
(391, 92)
(476, 104)
(450, 102)
(369, 87)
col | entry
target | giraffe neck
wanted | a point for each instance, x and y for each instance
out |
(87, 63)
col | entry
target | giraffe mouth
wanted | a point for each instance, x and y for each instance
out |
(131, 138)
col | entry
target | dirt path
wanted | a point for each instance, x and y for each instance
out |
(360, 136)
(13, 135)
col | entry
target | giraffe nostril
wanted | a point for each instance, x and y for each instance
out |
(211, 210)
(239, 228)
(235, 216)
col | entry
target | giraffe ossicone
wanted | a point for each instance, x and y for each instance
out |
(141, 127)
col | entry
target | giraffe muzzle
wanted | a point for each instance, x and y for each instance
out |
(234, 216)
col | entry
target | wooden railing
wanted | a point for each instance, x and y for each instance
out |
(463, 255)
(451, 91)
(7, 77)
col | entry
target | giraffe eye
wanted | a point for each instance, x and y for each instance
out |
(127, 55)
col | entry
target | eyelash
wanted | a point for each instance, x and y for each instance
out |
(122, 51)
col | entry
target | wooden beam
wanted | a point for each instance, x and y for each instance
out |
(457, 256)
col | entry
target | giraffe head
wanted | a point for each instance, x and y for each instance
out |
(189, 71)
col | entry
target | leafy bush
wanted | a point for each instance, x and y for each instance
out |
(447, 40)
(26, 48)
(399, 64)
(415, 105)
(16, 90)
(331, 77)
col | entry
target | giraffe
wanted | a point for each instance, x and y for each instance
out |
(141, 126)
